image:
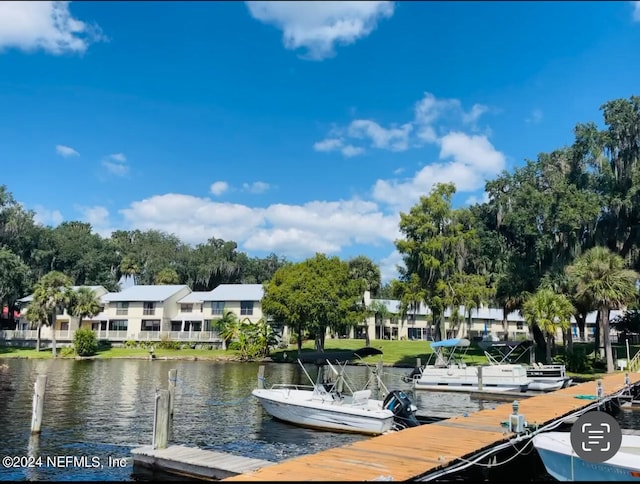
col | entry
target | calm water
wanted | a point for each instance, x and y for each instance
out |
(104, 409)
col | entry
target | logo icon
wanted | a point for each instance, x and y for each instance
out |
(596, 437)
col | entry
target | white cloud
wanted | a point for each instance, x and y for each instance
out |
(97, 216)
(337, 144)
(319, 26)
(291, 230)
(66, 151)
(474, 159)
(388, 266)
(46, 216)
(116, 164)
(428, 112)
(394, 138)
(219, 187)
(256, 187)
(475, 199)
(46, 25)
(535, 117)
(636, 11)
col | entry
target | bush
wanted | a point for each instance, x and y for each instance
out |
(576, 362)
(131, 344)
(85, 342)
(67, 351)
(169, 345)
(234, 345)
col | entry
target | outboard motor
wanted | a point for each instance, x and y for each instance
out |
(402, 407)
(409, 378)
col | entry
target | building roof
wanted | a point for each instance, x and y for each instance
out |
(236, 292)
(29, 298)
(144, 293)
(195, 296)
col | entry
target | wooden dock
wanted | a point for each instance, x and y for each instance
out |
(195, 463)
(416, 452)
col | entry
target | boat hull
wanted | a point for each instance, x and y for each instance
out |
(308, 409)
(495, 378)
(548, 378)
(563, 464)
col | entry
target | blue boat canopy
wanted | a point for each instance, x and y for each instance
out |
(450, 343)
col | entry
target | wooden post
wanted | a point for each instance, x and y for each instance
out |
(38, 403)
(480, 378)
(261, 376)
(173, 377)
(161, 420)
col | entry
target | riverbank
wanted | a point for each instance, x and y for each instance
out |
(400, 354)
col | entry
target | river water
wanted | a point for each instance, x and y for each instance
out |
(102, 409)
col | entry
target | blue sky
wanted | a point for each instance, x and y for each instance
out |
(292, 127)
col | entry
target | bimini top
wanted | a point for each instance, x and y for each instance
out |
(337, 356)
(450, 343)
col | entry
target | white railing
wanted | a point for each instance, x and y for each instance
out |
(8, 334)
(634, 364)
(67, 335)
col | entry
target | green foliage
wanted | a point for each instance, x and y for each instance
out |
(167, 276)
(577, 361)
(234, 346)
(314, 295)
(629, 322)
(67, 351)
(169, 345)
(85, 342)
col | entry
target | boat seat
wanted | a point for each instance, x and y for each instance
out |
(361, 397)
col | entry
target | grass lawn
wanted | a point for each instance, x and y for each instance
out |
(395, 353)
(14, 352)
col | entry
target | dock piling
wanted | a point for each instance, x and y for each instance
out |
(261, 376)
(418, 362)
(161, 420)
(173, 378)
(599, 390)
(38, 403)
(480, 378)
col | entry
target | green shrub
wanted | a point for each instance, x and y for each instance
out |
(85, 342)
(169, 345)
(130, 344)
(67, 351)
(577, 362)
(234, 345)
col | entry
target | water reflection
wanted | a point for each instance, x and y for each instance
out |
(105, 408)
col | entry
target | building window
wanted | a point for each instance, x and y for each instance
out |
(519, 325)
(488, 323)
(411, 318)
(149, 308)
(150, 325)
(393, 320)
(176, 325)
(118, 325)
(193, 325)
(246, 308)
(186, 308)
(217, 307)
(64, 325)
(378, 319)
(122, 308)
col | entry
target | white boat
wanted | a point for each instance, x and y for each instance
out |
(563, 463)
(452, 374)
(326, 405)
(545, 378)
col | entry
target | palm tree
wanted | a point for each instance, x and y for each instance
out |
(84, 304)
(549, 311)
(36, 313)
(228, 327)
(52, 292)
(600, 276)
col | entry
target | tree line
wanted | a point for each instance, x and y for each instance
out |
(558, 237)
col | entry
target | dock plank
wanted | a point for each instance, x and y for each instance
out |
(194, 462)
(404, 455)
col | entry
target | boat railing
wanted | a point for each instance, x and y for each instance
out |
(293, 386)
